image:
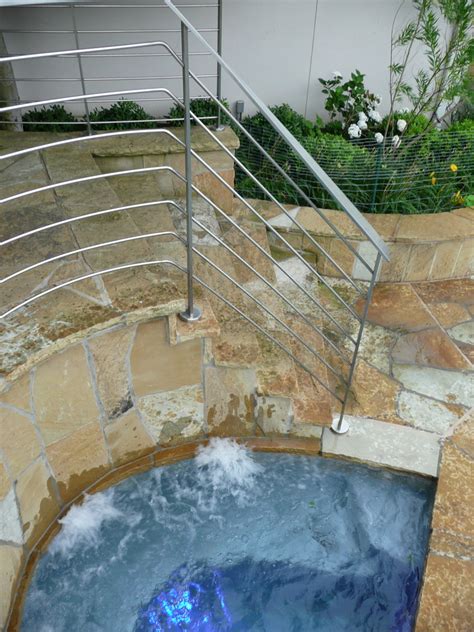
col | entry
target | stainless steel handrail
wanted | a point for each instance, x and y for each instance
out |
(346, 365)
(320, 175)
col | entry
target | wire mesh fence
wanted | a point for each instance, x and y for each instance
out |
(426, 174)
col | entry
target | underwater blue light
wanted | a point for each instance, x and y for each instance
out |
(193, 606)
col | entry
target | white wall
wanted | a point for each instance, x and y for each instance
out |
(279, 47)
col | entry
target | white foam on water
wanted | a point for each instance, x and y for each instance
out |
(228, 468)
(82, 524)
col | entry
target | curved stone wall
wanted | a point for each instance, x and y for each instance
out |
(428, 247)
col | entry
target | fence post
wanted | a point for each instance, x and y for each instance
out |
(192, 313)
(378, 164)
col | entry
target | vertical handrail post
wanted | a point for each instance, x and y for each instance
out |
(192, 313)
(81, 70)
(341, 426)
(219, 125)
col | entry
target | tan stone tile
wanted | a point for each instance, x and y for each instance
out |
(445, 259)
(250, 253)
(18, 395)
(10, 564)
(450, 291)
(395, 270)
(465, 261)
(213, 188)
(5, 482)
(314, 223)
(430, 347)
(157, 366)
(230, 401)
(63, 395)
(128, 439)
(432, 227)
(447, 596)
(37, 500)
(78, 460)
(174, 416)
(454, 504)
(449, 314)
(18, 440)
(342, 256)
(463, 436)
(419, 264)
(374, 394)
(207, 326)
(452, 544)
(236, 348)
(385, 225)
(110, 354)
(397, 307)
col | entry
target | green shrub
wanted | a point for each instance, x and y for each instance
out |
(119, 112)
(426, 174)
(201, 108)
(35, 120)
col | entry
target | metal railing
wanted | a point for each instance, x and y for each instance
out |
(336, 324)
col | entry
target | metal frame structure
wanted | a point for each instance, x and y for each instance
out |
(345, 360)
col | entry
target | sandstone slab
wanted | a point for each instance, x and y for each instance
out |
(63, 394)
(37, 500)
(110, 355)
(78, 460)
(389, 445)
(174, 416)
(396, 306)
(230, 401)
(158, 366)
(127, 439)
(431, 347)
(18, 440)
(10, 564)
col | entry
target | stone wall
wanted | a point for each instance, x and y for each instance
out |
(157, 150)
(427, 247)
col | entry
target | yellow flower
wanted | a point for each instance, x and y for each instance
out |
(433, 180)
(458, 198)
(453, 167)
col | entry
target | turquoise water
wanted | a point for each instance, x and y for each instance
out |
(239, 541)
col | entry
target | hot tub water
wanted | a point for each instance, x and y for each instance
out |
(234, 540)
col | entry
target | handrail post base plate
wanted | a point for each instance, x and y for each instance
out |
(189, 317)
(340, 426)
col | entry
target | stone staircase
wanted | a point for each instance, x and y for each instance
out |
(271, 393)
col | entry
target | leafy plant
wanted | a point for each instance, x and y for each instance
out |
(54, 118)
(405, 176)
(114, 117)
(352, 102)
(203, 109)
(441, 28)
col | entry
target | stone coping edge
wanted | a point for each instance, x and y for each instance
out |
(127, 145)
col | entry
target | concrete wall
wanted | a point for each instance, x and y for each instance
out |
(279, 47)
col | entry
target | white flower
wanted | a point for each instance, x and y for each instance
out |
(401, 125)
(354, 131)
(379, 137)
(361, 124)
(375, 116)
(350, 101)
(396, 141)
(404, 110)
(336, 74)
(363, 116)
